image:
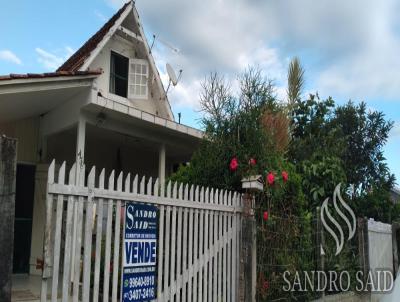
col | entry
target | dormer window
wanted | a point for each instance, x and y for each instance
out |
(119, 74)
(128, 77)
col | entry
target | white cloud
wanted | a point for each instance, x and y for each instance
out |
(372, 71)
(395, 132)
(116, 3)
(211, 36)
(348, 48)
(9, 56)
(51, 61)
(100, 16)
(69, 51)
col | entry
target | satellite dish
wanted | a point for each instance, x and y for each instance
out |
(171, 74)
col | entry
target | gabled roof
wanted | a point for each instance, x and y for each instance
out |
(78, 58)
(82, 58)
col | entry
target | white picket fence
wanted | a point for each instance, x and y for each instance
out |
(198, 241)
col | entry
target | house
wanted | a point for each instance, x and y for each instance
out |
(395, 195)
(105, 106)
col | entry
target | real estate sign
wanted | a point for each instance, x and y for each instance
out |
(140, 252)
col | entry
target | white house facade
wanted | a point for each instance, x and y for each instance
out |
(105, 106)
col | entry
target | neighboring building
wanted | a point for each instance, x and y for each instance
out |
(105, 106)
(395, 195)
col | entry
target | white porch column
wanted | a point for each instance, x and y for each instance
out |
(161, 166)
(80, 162)
(80, 145)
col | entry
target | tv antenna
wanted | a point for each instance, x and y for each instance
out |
(166, 44)
(173, 79)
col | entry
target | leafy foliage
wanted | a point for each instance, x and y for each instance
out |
(332, 144)
(363, 134)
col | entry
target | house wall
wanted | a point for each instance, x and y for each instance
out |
(62, 146)
(106, 149)
(26, 131)
(395, 196)
(130, 50)
(123, 154)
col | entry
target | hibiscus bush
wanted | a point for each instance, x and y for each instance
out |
(241, 133)
(247, 133)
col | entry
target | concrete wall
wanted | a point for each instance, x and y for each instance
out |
(345, 297)
(7, 209)
(379, 249)
(380, 245)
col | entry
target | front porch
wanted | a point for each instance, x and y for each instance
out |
(73, 124)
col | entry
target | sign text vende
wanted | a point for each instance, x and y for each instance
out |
(139, 252)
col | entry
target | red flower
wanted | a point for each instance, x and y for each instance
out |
(270, 178)
(234, 164)
(252, 162)
(265, 216)
(265, 285)
(285, 176)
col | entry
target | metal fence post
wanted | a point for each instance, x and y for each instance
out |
(363, 245)
(320, 245)
(8, 159)
(395, 228)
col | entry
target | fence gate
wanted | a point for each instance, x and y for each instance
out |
(198, 239)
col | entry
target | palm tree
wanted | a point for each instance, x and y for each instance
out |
(295, 82)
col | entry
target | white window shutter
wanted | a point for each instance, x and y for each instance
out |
(138, 79)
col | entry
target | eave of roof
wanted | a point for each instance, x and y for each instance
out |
(78, 58)
(14, 76)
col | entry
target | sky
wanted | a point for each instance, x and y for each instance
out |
(349, 49)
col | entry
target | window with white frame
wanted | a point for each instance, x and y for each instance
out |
(138, 79)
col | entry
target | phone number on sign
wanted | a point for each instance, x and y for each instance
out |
(144, 293)
(139, 281)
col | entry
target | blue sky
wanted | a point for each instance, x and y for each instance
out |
(348, 48)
